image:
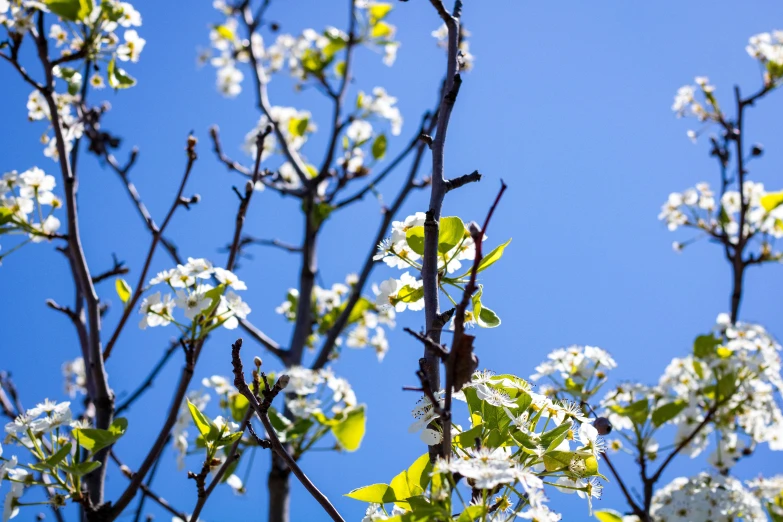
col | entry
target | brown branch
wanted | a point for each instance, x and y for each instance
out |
(146, 490)
(163, 435)
(261, 410)
(263, 101)
(244, 201)
(230, 458)
(427, 124)
(626, 493)
(339, 96)
(452, 184)
(429, 270)
(119, 268)
(707, 418)
(102, 398)
(156, 235)
(356, 291)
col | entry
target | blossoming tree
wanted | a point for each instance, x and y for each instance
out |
(494, 447)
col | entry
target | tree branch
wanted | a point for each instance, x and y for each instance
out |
(102, 399)
(261, 410)
(156, 235)
(356, 292)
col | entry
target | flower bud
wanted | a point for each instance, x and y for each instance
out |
(603, 426)
(282, 382)
(257, 361)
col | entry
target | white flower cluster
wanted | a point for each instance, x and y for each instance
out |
(706, 497)
(30, 430)
(306, 54)
(381, 105)
(316, 391)
(749, 354)
(22, 201)
(770, 492)
(767, 47)
(196, 297)
(365, 329)
(583, 367)
(697, 208)
(295, 125)
(102, 22)
(686, 104)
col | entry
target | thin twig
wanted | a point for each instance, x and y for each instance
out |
(156, 235)
(261, 410)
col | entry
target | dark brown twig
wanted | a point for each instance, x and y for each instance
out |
(261, 411)
(156, 235)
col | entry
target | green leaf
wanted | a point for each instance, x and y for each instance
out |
(381, 30)
(419, 474)
(415, 239)
(94, 440)
(552, 438)
(406, 294)
(450, 234)
(484, 317)
(379, 146)
(124, 290)
(279, 423)
(350, 431)
(238, 405)
(378, 12)
(608, 515)
(400, 486)
(334, 46)
(489, 259)
(298, 126)
(82, 468)
(667, 412)
(339, 70)
(71, 10)
(6, 215)
(376, 493)
(771, 200)
(118, 427)
(705, 345)
(225, 32)
(638, 411)
(118, 78)
(205, 426)
(58, 457)
(472, 513)
(229, 439)
(321, 211)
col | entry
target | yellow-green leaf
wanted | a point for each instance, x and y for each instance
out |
(376, 493)
(225, 32)
(124, 290)
(450, 233)
(379, 147)
(415, 239)
(378, 12)
(381, 30)
(771, 200)
(205, 426)
(71, 10)
(608, 515)
(350, 431)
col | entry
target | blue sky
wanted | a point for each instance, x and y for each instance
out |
(569, 105)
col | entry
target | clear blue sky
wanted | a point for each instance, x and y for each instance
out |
(570, 105)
